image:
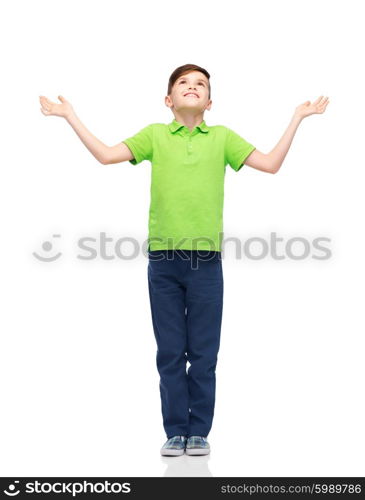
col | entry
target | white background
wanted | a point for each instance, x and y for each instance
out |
(79, 384)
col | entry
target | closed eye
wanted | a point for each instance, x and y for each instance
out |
(182, 81)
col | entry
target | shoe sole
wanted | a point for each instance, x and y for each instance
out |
(171, 453)
(197, 451)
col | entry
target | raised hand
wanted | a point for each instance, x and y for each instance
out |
(53, 108)
(308, 108)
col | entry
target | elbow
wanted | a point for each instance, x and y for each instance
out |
(272, 164)
(104, 156)
(104, 160)
(274, 169)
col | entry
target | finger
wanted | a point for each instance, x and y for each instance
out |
(45, 102)
(48, 101)
(324, 103)
(319, 100)
(61, 98)
(44, 112)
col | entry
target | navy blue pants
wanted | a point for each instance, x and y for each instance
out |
(186, 296)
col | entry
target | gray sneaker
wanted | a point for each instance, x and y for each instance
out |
(197, 445)
(174, 446)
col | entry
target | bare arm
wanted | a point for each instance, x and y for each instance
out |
(103, 153)
(271, 162)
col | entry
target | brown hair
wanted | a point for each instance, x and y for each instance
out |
(183, 70)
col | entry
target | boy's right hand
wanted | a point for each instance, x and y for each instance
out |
(53, 108)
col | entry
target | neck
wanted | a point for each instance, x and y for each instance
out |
(190, 121)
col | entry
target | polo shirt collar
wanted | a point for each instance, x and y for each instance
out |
(175, 125)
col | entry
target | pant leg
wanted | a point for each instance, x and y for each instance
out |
(167, 299)
(204, 301)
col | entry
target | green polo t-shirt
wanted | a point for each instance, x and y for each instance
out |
(187, 181)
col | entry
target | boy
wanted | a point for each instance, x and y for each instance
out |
(185, 277)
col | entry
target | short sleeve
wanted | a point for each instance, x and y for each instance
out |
(236, 149)
(141, 145)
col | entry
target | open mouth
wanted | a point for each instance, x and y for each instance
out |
(191, 95)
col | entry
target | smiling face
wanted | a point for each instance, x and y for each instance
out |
(190, 92)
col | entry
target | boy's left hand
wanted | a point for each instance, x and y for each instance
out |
(308, 108)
